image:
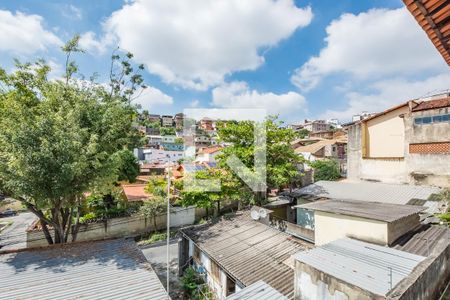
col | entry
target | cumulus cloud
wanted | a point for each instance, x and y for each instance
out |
(152, 97)
(237, 94)
(194, 44)
(24, 34)
(90, 42)
(388, 93)
(372, 44)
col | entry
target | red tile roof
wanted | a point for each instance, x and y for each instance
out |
(434, 18)
(433, 104)
(210, 150)
(135, 192)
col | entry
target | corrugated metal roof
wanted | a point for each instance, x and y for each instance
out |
(249, 251)
(113, 269)
(258, 291)
(367, 191)
(361, 264)
(423, 240)
(371, 210)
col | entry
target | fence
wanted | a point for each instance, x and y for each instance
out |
(122, 227)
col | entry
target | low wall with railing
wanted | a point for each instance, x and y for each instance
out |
(122, 227)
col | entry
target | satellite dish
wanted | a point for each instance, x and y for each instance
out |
(262, 213)
(255, 215)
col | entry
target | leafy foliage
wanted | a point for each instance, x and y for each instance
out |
(128, 166)
(167, 131)
(58, 138)
(190, 281)
(153, 208)
(302, 133)
(327, 169)
(281, 159)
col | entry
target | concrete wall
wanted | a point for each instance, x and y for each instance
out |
(330, 227)
(120, 227)
(400, 227)
(415, 168)
(429, 279)
(311, 284)
(386, 135)
(427, 168)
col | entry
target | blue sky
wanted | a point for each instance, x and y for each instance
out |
(316, 59)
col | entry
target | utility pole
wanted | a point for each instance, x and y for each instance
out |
(168, 226)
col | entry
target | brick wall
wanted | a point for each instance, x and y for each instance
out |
(425, 148)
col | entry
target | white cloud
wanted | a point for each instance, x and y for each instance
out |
(72, 12)
(194, 44)
(152, 97)
(238, 95)
(373, 44)
(90, 43)
(388, 93)
(194, 103)
(24, 34)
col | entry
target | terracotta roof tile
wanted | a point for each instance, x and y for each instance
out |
(433, 104)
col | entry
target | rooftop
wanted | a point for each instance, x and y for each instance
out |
(368, 191)
(135, 192)
(433, 16)
(423, 240)
(369, 210)
(257, 291)
(313, 148)
(361, 264)
(249, 250)
(432, 104)
(112, 269)
(210, 150)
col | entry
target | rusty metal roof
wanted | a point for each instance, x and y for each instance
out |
(433, 104)
(422, 240)
(250, 251)
(385, 212)
(113, 269)
(434, 18)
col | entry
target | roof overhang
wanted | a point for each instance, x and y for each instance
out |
(434, 18)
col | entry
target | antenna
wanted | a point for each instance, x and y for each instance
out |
(262, 213)
(255, 215)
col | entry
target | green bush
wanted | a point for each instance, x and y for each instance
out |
(190, 281)
(326, 169)
(89, 217)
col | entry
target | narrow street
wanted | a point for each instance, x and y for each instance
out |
(157, 256)
(14, 236)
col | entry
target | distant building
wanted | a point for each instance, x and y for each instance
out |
(207, 124)
(152, 131)
(316, 125)
(167, 121)
(178, 120)
(154, 140)
(162, 156)
(409, 143)
(154, 119)
(208, 154)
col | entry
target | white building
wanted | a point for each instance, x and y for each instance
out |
(162, 156)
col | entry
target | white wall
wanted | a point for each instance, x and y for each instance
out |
(330, 227)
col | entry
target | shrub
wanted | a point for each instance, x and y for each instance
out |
(326, 169)
(190, 281)
(89, 217)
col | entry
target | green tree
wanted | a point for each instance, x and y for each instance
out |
(153, 208)
(167, 131)
(282, 162)
(326, 169)
(128, 166)
(303, 133)
(58, 138)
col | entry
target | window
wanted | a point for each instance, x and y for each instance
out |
(426, 120)
(432, 119)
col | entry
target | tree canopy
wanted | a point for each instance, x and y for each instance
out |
(58, 138)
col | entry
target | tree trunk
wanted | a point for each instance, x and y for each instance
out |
(218, 207)
(69, 225)
(76, 227)
(154, 223)
(47, 234)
